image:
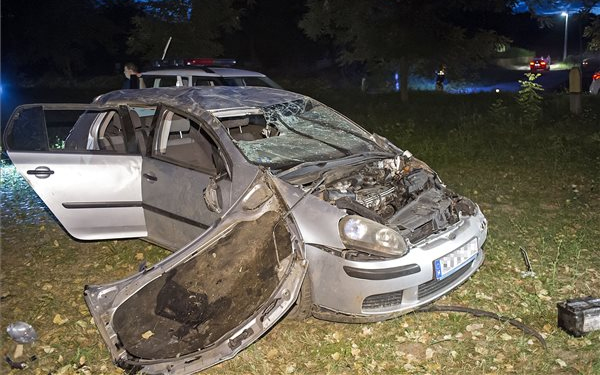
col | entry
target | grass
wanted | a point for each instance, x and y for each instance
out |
(538, 184)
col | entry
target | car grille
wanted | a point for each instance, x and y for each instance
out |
(433, 286)
(378, 302)
(387, 301)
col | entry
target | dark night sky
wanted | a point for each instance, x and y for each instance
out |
(275, 50)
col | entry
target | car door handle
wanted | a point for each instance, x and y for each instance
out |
(150, 177)
(41, 172)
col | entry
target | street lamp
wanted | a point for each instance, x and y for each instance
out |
(566, 15)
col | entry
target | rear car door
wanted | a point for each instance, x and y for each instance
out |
(210, 299)
(84, 163)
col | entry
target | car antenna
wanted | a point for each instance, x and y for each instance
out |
(166, 48)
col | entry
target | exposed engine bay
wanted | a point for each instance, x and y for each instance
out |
(402, 192)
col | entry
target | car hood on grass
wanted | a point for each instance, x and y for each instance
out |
(211, 299)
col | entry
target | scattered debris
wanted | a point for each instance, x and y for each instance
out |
(18, 351)
(18, 365)
(579, 316)
(529, 272)
(489, 314)
(21, 332)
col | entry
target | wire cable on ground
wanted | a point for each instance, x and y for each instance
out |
(489, 314)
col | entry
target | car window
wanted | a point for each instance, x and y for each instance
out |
(204, 81)
(54, 129)
(258, 81)
(182, 141)
(162, 81)
(250, 81)
(233, 81)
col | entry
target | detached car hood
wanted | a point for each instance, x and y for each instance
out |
(211, 299)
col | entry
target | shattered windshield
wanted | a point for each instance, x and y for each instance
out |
(296, 132)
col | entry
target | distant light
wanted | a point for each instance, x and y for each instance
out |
(497, 90)
(396, 82)
(564, 14)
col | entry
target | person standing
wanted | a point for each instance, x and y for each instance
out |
(440, 77)
(132, 77)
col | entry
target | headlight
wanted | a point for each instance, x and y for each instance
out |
(364, 234)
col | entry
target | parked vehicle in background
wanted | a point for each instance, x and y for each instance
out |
(590, 73)
(269, 199)
(595, 85)
(590, 63)
(539, 64)
(203, 72)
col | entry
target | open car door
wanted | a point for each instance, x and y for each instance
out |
(84, 163)
(212, 298)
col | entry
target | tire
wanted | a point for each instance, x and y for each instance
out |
(302, 309)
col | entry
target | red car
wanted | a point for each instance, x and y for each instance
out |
(539, 64)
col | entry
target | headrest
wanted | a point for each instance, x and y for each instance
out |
(179, 124)
(235, 122)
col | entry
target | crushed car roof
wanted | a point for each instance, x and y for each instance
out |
(207, 98)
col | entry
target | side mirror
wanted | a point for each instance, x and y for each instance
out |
(212, 196)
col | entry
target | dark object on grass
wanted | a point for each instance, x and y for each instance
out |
(489, 314)
(579, 316)
(15, 365)
(529, 272)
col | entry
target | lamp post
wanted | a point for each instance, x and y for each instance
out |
(566, 15)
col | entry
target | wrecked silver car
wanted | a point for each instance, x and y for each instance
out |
(271, 202)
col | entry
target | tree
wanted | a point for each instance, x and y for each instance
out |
(592, 32)
(269, 35)
(408, 34)
(69, 38)
(530, 100)
(583, 15)
(196, 27)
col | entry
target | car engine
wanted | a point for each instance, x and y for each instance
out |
(403, 193)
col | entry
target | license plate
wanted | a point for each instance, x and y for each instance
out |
(451, 262)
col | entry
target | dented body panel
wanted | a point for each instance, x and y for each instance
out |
(209, 300)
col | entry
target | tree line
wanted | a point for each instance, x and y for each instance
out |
(84, 38)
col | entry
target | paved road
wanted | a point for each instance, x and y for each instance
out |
(555, 80)
(508, 81)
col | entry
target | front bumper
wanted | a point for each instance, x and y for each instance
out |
(376, 290)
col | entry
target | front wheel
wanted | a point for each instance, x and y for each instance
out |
(302, 309)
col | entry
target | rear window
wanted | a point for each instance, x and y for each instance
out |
(205, 81)
(250, 81)
(164, 81)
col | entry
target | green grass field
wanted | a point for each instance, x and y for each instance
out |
(537, 183)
